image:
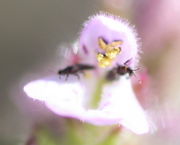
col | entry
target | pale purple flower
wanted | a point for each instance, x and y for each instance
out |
(111, 28)
(72, 97)
(68, 98)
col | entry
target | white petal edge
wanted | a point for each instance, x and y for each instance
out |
(63, 97)
(119, 105)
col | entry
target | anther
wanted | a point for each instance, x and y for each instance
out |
(103, 60)
(111, 51)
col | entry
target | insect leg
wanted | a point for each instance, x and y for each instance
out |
(67, 75)
(77, 75)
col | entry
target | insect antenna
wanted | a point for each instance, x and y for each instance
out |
(127, 61)
(137, 77)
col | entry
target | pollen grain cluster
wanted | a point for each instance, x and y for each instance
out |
(111, 52)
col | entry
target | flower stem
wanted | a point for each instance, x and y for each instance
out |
(97, 93)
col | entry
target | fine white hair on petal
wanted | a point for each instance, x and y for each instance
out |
(64, 97)
(119, 105)
(111, 28)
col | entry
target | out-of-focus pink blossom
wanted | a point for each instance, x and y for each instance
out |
(143, 88)
(72, 97)
(168, 123)
(158, 23)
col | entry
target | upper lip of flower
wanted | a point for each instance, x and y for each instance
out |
(112, 38)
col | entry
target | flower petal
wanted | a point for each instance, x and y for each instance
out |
(64, 97)
(119, 105)
(110, 28)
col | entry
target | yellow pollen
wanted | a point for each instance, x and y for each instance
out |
(115, 44)
(103, 60)
(102, 44)
(107, 47)
(100, 57)
(111, 52)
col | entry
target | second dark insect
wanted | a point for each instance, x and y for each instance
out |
(119, 71)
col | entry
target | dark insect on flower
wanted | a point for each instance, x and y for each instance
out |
(75, 69)
(119, 71)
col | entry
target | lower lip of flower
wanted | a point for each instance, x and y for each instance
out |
(117, 104)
